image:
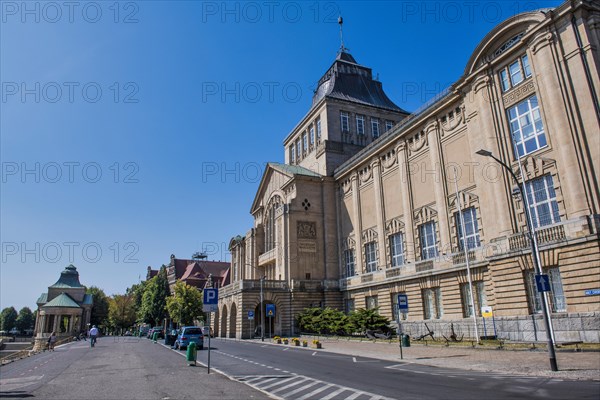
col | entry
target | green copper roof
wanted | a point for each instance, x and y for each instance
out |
(42, 299)
(62, 300)
(294, 169)
(69, 278)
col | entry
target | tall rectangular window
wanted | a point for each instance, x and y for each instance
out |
(375, 128)
(349, 262)
(432, 303)
(319, 129)
(304, 143)
(349, 305)
(389, 125)
(479, 298)
(298, 150)
(504, 80)
(372, 302)
(360, 124)
(312, 135)
(526, 126)
(397, 249)
(471, 233)
(292, 154)
(345, 121)
(556, 295)
(428, 240)
(371, 256)
(541, 196)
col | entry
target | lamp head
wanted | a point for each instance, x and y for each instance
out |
(484, 153)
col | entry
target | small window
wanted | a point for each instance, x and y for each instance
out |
(349, 305)
(304, 143)
(345, 121)
(432, 303)
(395, 311)
(389, 125)
(556, 295)
(375, 127)
(372, 302)
(479, 298)
(292, 154)
(312, 135)
(360, 124)
(318, 129)
(516, 76)
(515, 73)
(307, 275)
(298, 149)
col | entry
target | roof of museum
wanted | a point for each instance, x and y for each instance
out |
(349, 81)
(62, 300)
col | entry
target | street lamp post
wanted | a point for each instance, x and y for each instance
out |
(534, 253)
(262, 314)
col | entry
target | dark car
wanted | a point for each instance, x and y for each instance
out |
(188, 334)
(161, 333)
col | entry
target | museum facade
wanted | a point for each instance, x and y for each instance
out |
(373, 202)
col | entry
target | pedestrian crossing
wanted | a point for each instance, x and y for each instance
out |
(299, 387)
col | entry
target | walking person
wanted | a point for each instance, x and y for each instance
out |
(51, 341)
(93, 335)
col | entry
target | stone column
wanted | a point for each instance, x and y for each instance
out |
(405, 188)
(491, 188)
(558, 129)
(56, 322)
(380, 210)
(357, 223)
(439, 186)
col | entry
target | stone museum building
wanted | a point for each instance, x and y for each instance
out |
(65, 309)
(373, 202)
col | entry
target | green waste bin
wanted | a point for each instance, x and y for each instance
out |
(155, 336)
(405, 340)
(191, 354)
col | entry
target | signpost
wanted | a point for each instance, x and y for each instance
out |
(270, 310)
(486, 312)
(402, 308)
(251, 315)
(543, 283)
(210, 305)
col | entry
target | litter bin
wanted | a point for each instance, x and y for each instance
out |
(405, 340)
(191, 354)
(155, 336)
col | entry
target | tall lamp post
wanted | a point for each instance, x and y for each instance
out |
(534, 253)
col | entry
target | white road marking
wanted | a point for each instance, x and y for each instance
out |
(287, 394)
(353, 396)
(333, 394)
(279, 381)
(318, 390)
(290, 385)
(314, 353)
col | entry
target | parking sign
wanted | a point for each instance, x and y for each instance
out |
(211, 300)
(402, 302)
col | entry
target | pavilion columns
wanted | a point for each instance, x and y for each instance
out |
(357, 223)
(378, 192)
(406, 200)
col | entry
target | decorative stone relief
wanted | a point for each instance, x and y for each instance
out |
(453, 120)
(519, 93)
(369, 235)
(349, 243)
(306, 230)
(416, 142)
(394, 225)
(467, 199)
(365, 174)
(424, 214)
(388, 159)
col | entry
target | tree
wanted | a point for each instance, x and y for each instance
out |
(137, 292)
(25, 319)
(154, 299)
(8, 318)
(185, 304)
(99, 316)
(121, 311)
(368, 319)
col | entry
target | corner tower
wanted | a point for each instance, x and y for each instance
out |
(349, 111)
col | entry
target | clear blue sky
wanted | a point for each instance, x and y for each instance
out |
(141, 130)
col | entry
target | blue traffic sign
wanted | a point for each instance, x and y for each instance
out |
(270, 310)
(250, 314)
(592, 292)
(211, 300)
(402, 302)
(543, 283)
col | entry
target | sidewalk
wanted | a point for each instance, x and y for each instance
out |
(571, 364)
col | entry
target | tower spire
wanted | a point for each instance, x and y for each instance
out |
(341, 23)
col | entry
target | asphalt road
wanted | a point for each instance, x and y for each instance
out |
(289, 372)
(117, 368)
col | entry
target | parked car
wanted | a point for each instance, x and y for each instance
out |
(161, 333)
(14, 332)
(188, 334)
(207, 331)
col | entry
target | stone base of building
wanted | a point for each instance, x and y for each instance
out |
(575, 327)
